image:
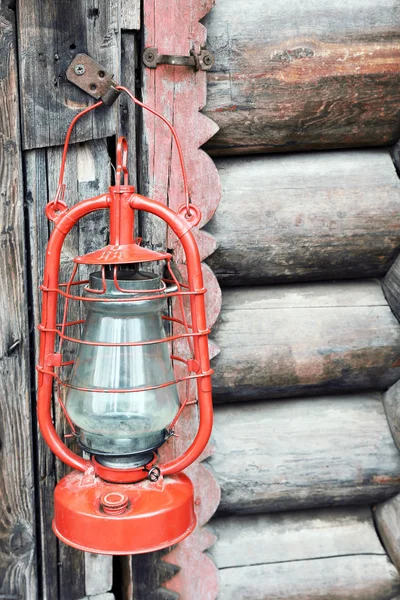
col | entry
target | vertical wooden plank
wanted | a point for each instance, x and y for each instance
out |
(130, 14)
(127, 112)
(18, 573)
(179, 93)
(50, 35)
(87, 174)
(98, 573)
(35, 171)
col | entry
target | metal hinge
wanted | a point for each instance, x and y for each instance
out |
(200, 61)
(91, 77)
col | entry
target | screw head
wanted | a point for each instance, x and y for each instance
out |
(207, 60)
(79, 69)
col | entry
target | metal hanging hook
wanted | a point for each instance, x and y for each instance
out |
(189, 211)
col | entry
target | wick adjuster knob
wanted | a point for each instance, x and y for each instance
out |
(114, 503)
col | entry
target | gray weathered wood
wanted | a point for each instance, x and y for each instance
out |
(130, 15)
(303, 555)
(87, 174)
(339, 578)
(292, 76)
(391, 287)
(127, 123)
(35, 170)
(307, 338)
(98, 573)
(50, 35)
(391, 401)
(100, 597)
(312, 452)
(325, 215)
(18, 574)
(246, 540)
(387, 518)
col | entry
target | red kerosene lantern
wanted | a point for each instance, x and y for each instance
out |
(120, 393)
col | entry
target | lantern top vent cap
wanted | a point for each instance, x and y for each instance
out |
(121, 254)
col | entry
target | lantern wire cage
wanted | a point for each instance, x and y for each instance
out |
(73, 290)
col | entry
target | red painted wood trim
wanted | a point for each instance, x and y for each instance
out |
(179, 93)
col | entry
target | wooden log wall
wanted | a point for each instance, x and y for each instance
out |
(303, 217)
(305, 339)
(291, 76)
(309, 342)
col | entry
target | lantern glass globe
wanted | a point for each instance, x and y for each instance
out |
(118, 397)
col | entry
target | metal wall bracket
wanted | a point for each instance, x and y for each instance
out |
(91, 77)
(202, 61)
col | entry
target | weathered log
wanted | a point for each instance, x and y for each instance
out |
(325, 215)
(391, 401)
(293, 454)
(291, 76)
(304, 556)
(387, 518)
(391, 287)
(304, 339)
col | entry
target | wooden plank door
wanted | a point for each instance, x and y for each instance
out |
(179, 93)
(18, 543)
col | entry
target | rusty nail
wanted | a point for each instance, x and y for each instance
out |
(79, 69)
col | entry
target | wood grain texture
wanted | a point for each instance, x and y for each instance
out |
(387, 519)
(312, 452)
(130, 15)
(18, 573)
(245, 540)
(391, 287)
(306, 216)
(391, 402)
(178, 94)
(291, 76)
(50, 35)
(304, 339)
(87, 175)
(342, 578)
(127, 109)
(98, 573)
(36, 188)
(309, 555)
(108, 596)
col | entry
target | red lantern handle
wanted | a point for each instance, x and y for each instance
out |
(181, 227)
(58, 204)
